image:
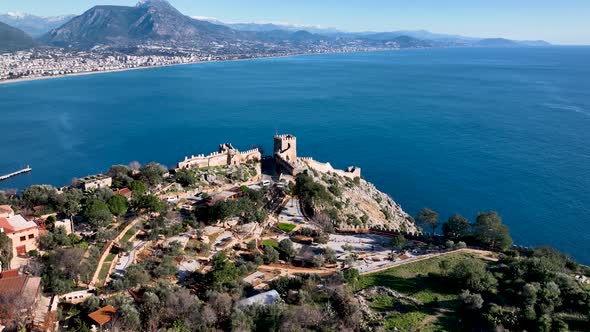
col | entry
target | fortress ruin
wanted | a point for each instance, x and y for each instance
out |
(226, 155)
(285, 153)
(285, 157)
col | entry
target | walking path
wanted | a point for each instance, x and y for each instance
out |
(107, 250)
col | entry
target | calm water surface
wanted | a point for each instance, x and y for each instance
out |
(457, 130)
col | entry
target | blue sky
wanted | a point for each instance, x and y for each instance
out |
(557, 21)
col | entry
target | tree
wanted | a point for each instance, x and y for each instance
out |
(286, 249)
(120, 175)
(118, 205)
(65, 265)
(456, 227)
(185, 177)
(270, 255)
(428, 218)
(223, 273)
(127, 318)
(318, 261)
(351, 276)
(39, 195)
(50, 223)
(136, 275)
(471, 301)
(471, 274)
(149, 203)
(98, 214)
(398, 241)
(92, 303)
(152, 173)
(5, 251)
(491, 232)
(71, 202)
(330, 255)
(138, 187)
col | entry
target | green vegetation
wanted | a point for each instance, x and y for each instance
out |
(423, 281)
(118, 205)
(186, 177)
(533, 291)
(285, 227)
(128, 235)
(249, 207)
(5, 250)
(270, 243)
(427, 218)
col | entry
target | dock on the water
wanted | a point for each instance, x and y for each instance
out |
(22, 171)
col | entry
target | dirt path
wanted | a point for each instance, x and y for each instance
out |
(106, 252)
(288, 269)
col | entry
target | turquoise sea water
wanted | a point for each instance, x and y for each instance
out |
(457, 130)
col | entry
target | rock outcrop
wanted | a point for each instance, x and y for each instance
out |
(358, 204)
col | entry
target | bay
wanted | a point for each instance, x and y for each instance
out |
(457, 130)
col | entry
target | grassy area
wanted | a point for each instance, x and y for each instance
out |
(420, 280)
(286, 227)
(104, 271)
(271, 243)
(128, 235)
(110, 258)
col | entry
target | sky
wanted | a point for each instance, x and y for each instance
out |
(556, 21)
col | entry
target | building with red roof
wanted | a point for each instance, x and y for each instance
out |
(23, 233)
(18, 298)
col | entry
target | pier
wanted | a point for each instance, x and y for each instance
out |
(22, 171)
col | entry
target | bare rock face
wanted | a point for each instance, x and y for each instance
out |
(358, 204)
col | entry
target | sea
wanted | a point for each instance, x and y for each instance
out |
(458, 130)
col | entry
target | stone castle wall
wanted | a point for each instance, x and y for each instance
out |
(351, 172)
(226, 156)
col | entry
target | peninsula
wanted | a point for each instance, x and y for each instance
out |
(234, 240)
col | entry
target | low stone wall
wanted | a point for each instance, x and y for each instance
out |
(351, 172)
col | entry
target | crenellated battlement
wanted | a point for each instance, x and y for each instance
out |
(285, 152)
(286, 137)
(226, 155)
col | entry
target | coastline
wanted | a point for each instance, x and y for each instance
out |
(30, 79)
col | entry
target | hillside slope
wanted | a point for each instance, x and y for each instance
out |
(13, 39)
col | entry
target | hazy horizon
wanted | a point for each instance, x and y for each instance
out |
(525, 20)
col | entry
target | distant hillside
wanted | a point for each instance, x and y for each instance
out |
(149, 21)
(33, 25)
(427, 37)
(13, 39)
(157, 23)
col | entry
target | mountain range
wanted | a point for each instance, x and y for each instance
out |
(157, 23)
(13, 39)
(443, 40)
(33, 25)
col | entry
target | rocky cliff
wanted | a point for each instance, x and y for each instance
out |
(358, 204)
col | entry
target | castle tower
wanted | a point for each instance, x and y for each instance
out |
(285, 146)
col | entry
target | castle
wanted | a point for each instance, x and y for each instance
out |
(285, 153)
(226, 155)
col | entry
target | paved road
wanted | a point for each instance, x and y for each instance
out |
(125, 261)
(291, 213)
